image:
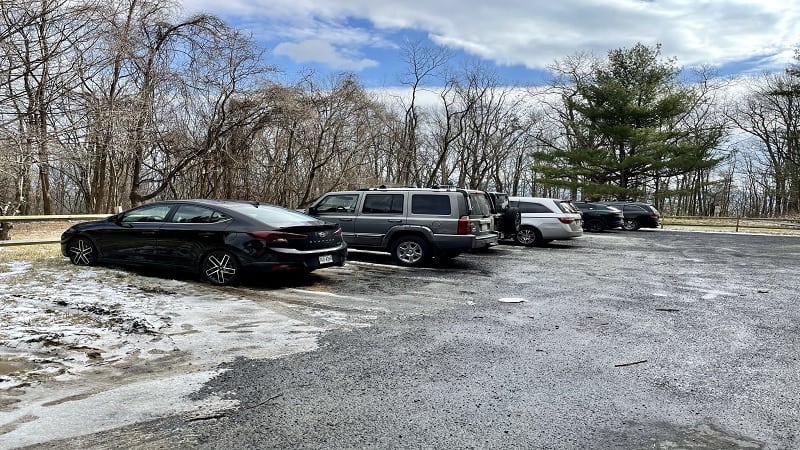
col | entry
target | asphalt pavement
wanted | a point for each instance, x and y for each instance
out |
(617, 340)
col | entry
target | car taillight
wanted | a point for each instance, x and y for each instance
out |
(654, 216)
(464, 225)
(338, 232)
(566, 220)
(276, 236)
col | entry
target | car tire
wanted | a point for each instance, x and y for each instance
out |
(593, 226)
(512, 219)
(82, 251)
(219, 267)
(630, 225)
(411, 251)
(528, 236)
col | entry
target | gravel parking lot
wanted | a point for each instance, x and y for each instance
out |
(650, 339)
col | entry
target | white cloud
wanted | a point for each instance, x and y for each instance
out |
(534, 33)
(320, 51)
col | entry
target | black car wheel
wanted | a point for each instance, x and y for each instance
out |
(630, 225)
(527, 236)
(82, 252)
(411, 251)
(219, 267)
(593, 226)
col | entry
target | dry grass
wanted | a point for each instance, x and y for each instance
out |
(35, 252)
(39, 229)
(731, 225)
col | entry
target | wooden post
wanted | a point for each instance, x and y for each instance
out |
(5, 231)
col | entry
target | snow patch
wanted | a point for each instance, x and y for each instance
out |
(69, 329)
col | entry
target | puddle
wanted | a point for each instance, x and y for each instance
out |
(668, 436)
(10, 366)
(707, 437)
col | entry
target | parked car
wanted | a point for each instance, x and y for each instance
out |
(637, 215)
(413, 224)
(507, 219)
(599, 217)
(217, 239)
(545, 220)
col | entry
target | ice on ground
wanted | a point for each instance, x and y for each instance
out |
(96, 333)
(132, 403)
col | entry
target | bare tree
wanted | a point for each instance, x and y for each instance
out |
(422, 63)
(770, 114)
(39, 50)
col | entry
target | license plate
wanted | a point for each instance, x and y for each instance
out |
(324, 259)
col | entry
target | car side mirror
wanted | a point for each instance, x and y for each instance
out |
(312, 210)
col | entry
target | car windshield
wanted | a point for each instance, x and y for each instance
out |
(272, 215)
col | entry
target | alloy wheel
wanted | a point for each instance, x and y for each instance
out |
(630, 225)
(82, 252)
(409, 252)
(526, 236)
(220, 267)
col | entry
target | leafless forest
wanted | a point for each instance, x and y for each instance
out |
(117, 102)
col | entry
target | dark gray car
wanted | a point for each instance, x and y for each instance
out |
(413, 224)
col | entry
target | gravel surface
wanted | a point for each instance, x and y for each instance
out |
(652, 339)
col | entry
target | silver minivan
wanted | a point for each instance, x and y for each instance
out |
(546, 219)
(413, 224)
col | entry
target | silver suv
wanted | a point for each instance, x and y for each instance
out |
(413, 224)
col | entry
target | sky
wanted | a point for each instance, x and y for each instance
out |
(517, 39)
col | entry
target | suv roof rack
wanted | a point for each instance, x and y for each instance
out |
(385, 186)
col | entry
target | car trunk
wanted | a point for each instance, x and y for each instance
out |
(480, 213)
(316, 237)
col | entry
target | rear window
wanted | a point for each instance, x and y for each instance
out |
(438, 205)
(274, 216)
(567, 207)
(480, 204)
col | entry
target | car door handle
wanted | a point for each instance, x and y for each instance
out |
(148, 233)
(206, 234)
(345, 219)
(395, 220)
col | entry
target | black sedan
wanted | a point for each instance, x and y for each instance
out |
(599, 217)
(217, 239)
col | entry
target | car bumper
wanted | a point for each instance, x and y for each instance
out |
(486, 240)
(558, 232)
(650, 223)
(297, 260)
(614, 223)
(464, 242)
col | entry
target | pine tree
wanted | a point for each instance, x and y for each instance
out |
(627, 127)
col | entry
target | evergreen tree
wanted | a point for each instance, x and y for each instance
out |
(627, 124)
